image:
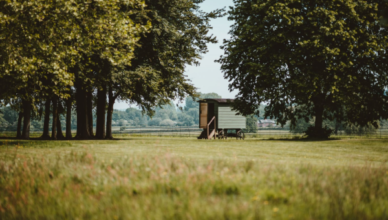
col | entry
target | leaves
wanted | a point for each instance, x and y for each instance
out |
(299, 52)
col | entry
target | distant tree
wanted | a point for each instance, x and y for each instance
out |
(361, 130)
(194, 113)
(3, 123)
(301, 125)
(10, 115)
(154, 122)
(251, 124)
(167, 123)
(191, 103)
(326, 55)
(123, 122)
(185, 120)
(162, 113)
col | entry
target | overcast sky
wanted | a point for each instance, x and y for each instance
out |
(208, 76)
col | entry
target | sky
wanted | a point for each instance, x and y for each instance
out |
(208, 77)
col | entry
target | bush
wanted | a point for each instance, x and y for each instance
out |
(320, 133)
(167, 122)
(361, 130)
(154, 122)
(123, 128)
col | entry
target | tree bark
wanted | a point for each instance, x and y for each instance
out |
(46, 125)
(109, 114)
(55, 120)
(68, 120)
(82, 119)
(337, 126)
(318, 117)
(60, 135)
(19, 128)
(27, 120)
(89, 106)
(101, 105)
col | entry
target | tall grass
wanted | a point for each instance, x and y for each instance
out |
(82, 184)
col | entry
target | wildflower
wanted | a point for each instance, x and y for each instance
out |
(275, 209)
(265, 202)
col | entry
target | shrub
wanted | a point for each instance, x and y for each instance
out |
(320, 133)
(167, 122)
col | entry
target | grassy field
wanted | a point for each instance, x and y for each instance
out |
(184, 178)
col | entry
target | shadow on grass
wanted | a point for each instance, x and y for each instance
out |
(305, 139)
(38, 142)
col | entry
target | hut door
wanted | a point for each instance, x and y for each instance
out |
(210, 114)
(203, 115)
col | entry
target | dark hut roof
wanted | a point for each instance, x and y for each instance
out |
(217, 100)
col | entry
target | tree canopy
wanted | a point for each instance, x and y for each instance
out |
(59, 56)
(327, 55)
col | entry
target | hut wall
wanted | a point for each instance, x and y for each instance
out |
(227, 118)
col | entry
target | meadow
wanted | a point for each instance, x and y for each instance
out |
(185, 178)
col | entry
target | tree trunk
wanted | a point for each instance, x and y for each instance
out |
(82, 119)
(318, 117)
(46, 125)
(55, 120)
(101, 105)
(60, 135)
(27, 120)
(19, 128)
(89, 106)
(337, 126)
(68, 120)
(109, 115)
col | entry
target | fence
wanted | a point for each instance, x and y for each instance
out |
(176, 131)
(195, 132)
(286, 134)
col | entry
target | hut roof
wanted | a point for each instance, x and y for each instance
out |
(217, 100)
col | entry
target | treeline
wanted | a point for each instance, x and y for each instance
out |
(165, 115)
(58, 58)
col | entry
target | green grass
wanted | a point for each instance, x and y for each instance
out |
(184, 178)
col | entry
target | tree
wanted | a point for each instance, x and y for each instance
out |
(3, 123)
(251, 124)
(167, 122)
(46, 47)
(384, 12)
(177, 38)
(185, 120)
(326, 55)
(191, 102)
(154, 122)
(84, 52)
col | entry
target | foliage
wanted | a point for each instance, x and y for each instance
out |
(167, 123)
(192, 103)
(42, 41)
(63, 51)
(325, 55)
(358, 130)
(190, 114)
(154, 122)
(251, 124)
(3, 123)
(177, 38)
